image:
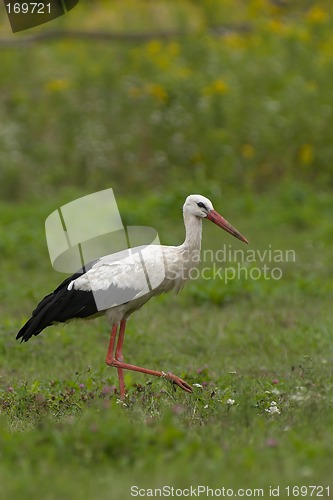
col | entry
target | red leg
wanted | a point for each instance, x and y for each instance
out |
(110, 355)
(170, 376)
(119, 357)
(119, 348)
(117, 361)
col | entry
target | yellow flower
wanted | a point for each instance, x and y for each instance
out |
(57, 85)
(220, 87)
(302, 34)
(134, 92)
(235, 41)
(163, 61)
(306, 154)
(154, 47)
(158, 92)
(287, 29)
(276, 26)
(247, 151)
(326, 47)
(183, 72)
(257, 7)
(217, 87)
(316, 15)
(173, 49)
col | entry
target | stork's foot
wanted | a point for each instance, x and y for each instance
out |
(170, 376)
(178, 381)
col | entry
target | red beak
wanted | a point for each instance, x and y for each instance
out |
(221, 222)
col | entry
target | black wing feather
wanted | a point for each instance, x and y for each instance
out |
(59, 306)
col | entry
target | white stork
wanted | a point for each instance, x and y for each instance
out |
(78, 295)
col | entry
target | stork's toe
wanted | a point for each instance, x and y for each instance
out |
(180, 382)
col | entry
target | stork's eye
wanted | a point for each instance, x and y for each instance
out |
(201, 205)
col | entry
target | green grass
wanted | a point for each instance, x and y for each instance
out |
(63, 425)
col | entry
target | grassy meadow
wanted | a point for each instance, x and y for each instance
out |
(242, 115)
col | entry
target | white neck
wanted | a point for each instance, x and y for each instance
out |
(193, 228)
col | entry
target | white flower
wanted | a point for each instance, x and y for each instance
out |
(198, 385)
(205, 407)
(273, 408)
(121, 402)
(230, 402)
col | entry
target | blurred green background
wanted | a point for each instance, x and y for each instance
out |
(232, 99)
(241, 98)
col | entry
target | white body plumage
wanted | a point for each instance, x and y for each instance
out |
(136, 275)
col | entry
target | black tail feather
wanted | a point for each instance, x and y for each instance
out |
(35, 324)
(25, 330)
(58, 307)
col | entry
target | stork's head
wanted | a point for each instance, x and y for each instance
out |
(202, 207)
